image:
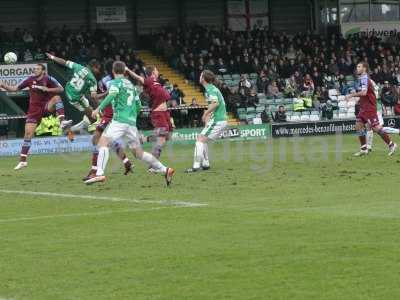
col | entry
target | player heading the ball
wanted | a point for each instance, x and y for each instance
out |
(82, 83)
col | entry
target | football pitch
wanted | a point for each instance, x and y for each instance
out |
(293, 218)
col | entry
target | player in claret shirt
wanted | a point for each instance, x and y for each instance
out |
(367, 116)
(160, 116)
(124, 97)
(44, 99)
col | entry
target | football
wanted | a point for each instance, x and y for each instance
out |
(10, 58)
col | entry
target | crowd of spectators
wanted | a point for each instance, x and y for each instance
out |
(288, 66)
(81, 46)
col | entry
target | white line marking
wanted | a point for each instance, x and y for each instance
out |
(112, 199)
(87, 214)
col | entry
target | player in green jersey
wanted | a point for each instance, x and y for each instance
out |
(82, 83)
(124, 97)
(214, 118)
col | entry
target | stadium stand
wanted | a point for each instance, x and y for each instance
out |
(307, 74)
(259, 70)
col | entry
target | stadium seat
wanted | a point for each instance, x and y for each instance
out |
(236, 76)
(257, 120)
(235, 82)
(314, 118)
(260, 109)
(342, 115)
(305, 118)
(263, 101)
(253, 76)
(250, 118)
(350, 115)
(349, 78)
(289, 101)
(242, 116)
(227, 76)
(269, 101)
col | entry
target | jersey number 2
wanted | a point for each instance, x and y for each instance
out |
(77, 82)
(130, 98)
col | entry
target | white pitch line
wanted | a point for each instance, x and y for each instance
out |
(87, 214)
(111, 199)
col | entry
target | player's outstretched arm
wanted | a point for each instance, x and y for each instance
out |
(54, 87)
(9, 88)
(56, 59)
(53, 90)
(134, 75)
(99, 97)
(103, 104)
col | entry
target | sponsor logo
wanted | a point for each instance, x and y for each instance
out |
(294, 129)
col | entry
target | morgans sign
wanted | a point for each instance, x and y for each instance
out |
(383, 30)
(15, 74)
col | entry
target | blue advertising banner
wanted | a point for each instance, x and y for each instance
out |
(52, 145)
(47, 145)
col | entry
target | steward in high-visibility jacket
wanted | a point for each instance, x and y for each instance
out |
(298, 104)
(49, 126)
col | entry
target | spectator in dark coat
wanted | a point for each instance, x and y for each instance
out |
(177, 94)
(280, 115)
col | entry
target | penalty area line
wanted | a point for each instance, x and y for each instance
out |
(74, 215)
(103, 198)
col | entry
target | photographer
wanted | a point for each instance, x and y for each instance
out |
(280, 115)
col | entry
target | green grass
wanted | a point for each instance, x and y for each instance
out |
(282, 222)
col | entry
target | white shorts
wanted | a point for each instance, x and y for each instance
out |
(214, 130)
(380, 118)
(116, 130)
